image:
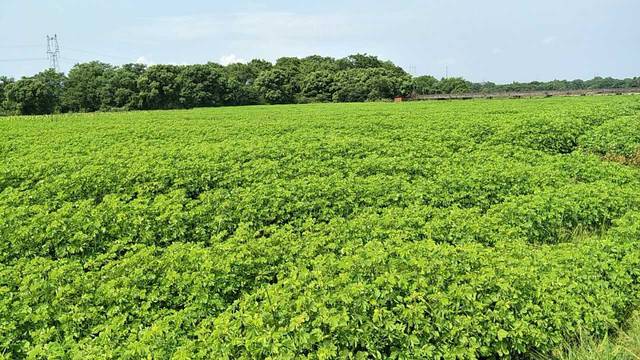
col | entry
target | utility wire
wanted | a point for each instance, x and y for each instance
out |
(96, 53)
(23, 59)
(22, 46)
(71, 59)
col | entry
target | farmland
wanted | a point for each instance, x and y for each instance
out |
(453, 230)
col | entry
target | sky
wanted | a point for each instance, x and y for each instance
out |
(491, 40)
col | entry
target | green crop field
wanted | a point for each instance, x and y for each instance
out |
(435, 230)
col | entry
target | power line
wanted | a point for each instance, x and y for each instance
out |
(53, 53)
(71, 59)
(19, 46)
(98, 54)
(23, 59)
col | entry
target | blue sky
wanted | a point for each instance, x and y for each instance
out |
(491, 40)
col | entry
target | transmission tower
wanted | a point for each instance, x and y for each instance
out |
(53, 52)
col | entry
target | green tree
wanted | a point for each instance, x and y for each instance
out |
(4, 84)
(424, 85)
(85, 85)
(369, 84)
(38, 94)
(359, 61)
(577, 84)
(202, 85)
(289, 63)
(240, 79)
(276, 86)
(318, 86)
(247, 73)
(453, 85)
(159, 87)
(292, 68)
(121, 90)
(315, 63)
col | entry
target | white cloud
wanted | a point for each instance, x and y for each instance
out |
(269, 35)
(549, 40)
(496, 51)
(230, 59)
(143, 60)
(271, 26)
(292, 26)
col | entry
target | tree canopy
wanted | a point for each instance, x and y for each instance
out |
(36, 95)
(97, 86)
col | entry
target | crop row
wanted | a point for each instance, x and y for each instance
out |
(435, 230)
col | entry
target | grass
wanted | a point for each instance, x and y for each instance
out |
(625, 345)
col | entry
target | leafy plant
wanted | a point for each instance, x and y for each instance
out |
(448, 230)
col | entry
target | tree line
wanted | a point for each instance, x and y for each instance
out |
(97, 86)
(429, 85)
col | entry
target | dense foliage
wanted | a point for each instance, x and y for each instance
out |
(96, 86)
(463, 230)
(560, 85)
(429, 85)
